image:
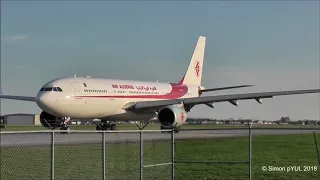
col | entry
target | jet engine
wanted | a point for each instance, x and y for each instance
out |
(170, 116)
(50, 121)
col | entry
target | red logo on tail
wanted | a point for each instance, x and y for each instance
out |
(197, 68)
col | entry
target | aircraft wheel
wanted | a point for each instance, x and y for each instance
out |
(105, 127)
(113, 127)
(98, 127)
(64, 127)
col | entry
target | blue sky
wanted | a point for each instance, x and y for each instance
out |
(278, 42)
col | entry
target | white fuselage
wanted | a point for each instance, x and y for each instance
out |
(86, 97)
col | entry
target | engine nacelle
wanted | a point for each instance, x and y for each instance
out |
(50, 121)
(172, 116)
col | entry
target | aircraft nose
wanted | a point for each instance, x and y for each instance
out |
(43, 99)
(48, 102)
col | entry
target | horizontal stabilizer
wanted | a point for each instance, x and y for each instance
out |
(223, 88)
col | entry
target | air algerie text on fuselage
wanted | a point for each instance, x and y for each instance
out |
(126, 86)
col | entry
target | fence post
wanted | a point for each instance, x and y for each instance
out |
(172, 154)
(250, 150)
(141, 155)
(316, 144)
(52, 155)
(103, 155)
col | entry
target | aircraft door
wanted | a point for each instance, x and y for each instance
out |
(77, 89)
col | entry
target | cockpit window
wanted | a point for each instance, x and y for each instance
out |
(48, 89)
(51, 89)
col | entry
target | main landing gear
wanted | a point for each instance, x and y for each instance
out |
(106, 126)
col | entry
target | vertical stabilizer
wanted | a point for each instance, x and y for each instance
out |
(194, 72)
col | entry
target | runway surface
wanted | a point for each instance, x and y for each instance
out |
(76, 137)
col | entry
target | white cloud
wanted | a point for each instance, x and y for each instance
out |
(12, 38)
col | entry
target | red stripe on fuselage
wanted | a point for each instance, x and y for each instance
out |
(177, 91)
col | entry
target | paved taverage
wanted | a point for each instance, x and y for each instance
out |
(78, 137)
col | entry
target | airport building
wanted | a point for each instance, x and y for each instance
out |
(22, 119)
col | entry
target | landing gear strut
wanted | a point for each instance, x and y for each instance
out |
(106, 126)
(64, 125)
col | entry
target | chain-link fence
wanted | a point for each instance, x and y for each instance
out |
(248, 153)
(86, 155)
(233, 153)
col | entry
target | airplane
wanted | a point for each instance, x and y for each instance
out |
(108, 100)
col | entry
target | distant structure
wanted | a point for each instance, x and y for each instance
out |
(22, 119)
(285, 120)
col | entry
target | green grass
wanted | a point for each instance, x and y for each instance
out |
(154, 127)
(122, 160)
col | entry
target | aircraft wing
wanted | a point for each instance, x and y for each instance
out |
(144, 105)
(22, 98)
(223, 88)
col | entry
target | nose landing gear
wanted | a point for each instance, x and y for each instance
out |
(64, 125)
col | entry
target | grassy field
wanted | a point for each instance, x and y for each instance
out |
(122, 160)
(154, 127)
